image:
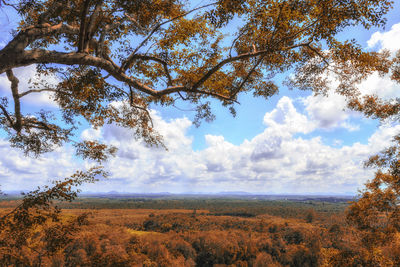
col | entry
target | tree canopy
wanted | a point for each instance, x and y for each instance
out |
(112, 59)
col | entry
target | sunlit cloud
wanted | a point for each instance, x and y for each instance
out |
(386, 40)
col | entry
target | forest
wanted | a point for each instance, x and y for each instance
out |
(200, 232)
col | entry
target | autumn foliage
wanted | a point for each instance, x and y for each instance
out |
(112, 60)
(35, 230)
(201, 237)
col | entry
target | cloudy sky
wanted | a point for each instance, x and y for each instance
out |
(295, 143)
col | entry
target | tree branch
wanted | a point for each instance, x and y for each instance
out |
(91, 25)
(82, 31)
(50, 10)
(36, 91)
(17, 104)
(7, 115)
(239, 57)
(134, 21)
(34, 123)
(33, 56)
(244, 81)
(29, 34)
(159, 60)
(235, 40)
(127, 64)
(29, 57)
(131, 102)
(318, 53)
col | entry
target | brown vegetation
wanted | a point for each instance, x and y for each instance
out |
(183, 237)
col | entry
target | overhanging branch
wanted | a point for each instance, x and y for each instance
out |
(127, 64)
(226, 61)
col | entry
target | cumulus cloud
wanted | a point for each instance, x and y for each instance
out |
(386, 40)
(274, 161)
(327, 112)
(330, 111)
(19, 172)
(384, 87)
(285, 118)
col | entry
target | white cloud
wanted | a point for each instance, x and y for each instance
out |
(19, 172)
(327, 111)
(274, 161)
(91, 134)
(286, 118)
(387, 40)
(330, 112)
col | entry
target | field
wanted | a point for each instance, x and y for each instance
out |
(203, 232)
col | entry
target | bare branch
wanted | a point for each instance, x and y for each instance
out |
(235, 40)
(29, 34)
(34, 123)
(222, 97)
(14, 6)
(183, 98)
(36, 91)
(301, 30)
(131, 102)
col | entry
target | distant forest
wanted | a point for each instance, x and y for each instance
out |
(199, 232)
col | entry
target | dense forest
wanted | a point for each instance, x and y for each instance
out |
(196, 232)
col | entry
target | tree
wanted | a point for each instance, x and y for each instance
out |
(34, 231)
(138, 53)
(377, 212)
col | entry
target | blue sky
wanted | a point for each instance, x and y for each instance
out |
(293, 143)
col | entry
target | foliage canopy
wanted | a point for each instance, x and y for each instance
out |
(112, 59)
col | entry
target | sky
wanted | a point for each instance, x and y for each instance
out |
(294, 143)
